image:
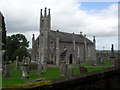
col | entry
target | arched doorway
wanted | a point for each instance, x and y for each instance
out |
(71, 59)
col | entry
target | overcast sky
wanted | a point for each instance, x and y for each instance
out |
(98, 19)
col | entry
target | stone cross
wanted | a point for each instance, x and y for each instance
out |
(25, 70)
(63, 68)
(7, 70)
(17, 63)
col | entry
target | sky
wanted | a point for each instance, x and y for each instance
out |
(98, 19)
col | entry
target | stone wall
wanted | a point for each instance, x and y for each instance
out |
(108, 78)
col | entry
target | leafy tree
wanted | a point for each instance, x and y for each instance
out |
(15, 42)
(22, 51)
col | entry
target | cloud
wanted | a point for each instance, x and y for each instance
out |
(67, 16)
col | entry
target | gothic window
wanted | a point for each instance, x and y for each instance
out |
(51, 46)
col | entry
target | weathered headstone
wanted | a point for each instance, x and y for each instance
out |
(82, 69)
(28, 60)
(39, 69)
(44, 66)
(117, 63)
(63, 68)
(25, 70)
(70, 70)
(100, 60)
(7, 70)
(17, 63)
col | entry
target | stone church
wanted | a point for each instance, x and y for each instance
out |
(54, 46)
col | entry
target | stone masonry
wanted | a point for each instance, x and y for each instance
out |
(50, 44)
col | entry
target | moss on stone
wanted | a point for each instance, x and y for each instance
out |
(30, 85)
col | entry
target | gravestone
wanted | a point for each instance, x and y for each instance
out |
(7, 70)
(70, 70)
(117, 63)
(39, 68)
(82, 69)
(25, 70)
(63, 68)
(28, 60)
(100, 60)
(44, 66)
(17, 63)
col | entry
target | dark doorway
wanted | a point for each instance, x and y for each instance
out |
(70, 59)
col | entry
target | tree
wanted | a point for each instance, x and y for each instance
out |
(15, 42)
(22, 51)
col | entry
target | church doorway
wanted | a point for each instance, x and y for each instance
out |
(71, 59)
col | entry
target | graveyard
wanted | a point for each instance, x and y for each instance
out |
(52, 73)
(56, 59)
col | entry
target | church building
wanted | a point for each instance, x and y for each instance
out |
(54, 46)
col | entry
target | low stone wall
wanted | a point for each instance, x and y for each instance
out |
(108, 78)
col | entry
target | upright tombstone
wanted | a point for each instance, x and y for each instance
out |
(70, 70)
(17, 63)
(112, 56)
(63, 68)
(44, 66)
(117, 63)
(39, 68)
(25, 70)
(100, 60)
(7, 70)
(28, 59)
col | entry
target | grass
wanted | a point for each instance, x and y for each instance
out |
(105, 62)
(90, 69)
(17, 79)
(52, 73)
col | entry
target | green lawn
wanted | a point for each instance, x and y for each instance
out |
(17, 79)
(106, 62)
(52, 73)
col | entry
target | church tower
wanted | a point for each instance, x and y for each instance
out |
(45, 27)
(45, 21)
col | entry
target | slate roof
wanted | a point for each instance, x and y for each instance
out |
(67, 37)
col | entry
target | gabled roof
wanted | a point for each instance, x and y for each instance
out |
(67, 37)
